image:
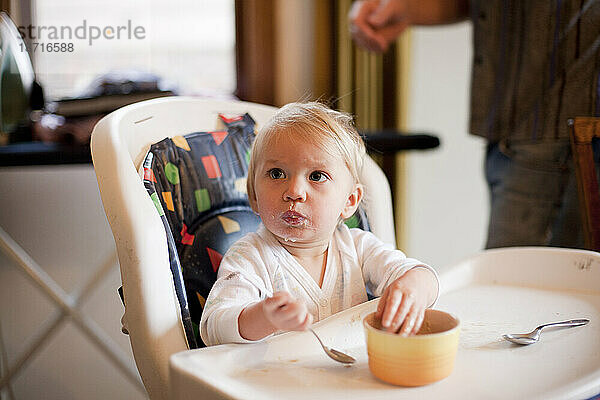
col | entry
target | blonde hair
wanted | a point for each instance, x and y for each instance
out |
(314, 123)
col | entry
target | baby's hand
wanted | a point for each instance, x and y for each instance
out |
(285, 313)
(403, 303)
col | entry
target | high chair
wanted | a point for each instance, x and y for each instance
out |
(155, 309)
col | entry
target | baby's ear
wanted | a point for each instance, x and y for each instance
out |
(352, 201)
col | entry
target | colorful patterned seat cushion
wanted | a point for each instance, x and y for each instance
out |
(198, 184)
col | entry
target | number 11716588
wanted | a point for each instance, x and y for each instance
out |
(48, 47)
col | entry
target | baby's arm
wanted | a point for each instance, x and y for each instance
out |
(278, 313)
(238, 309)
(403, 303)
(406, 286)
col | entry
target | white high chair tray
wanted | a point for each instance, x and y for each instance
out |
(496, 292)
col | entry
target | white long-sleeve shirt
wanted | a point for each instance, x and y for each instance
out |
(257, 265)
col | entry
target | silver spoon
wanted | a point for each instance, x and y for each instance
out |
(534, 335)
(333, 353)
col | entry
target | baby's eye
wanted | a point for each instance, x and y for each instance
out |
(318, 176)
(276, 173)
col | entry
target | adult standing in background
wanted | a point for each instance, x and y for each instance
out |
(535, 64)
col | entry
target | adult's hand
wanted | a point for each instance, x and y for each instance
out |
(375, 24)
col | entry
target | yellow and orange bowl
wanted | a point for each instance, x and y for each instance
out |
(415, 360)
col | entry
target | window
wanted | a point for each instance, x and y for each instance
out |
(189, 43)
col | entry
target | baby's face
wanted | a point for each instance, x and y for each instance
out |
(302, 191)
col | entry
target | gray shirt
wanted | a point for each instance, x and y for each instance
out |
(535, 64)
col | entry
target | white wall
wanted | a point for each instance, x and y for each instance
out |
(446, 196)
(54, 213)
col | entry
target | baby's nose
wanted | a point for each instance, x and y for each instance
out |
(295, 191)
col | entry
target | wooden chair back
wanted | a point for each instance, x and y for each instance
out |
(582, 131)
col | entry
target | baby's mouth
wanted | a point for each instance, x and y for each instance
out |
(294, 218)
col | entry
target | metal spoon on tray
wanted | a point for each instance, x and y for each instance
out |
(534, 335)
(333, 353)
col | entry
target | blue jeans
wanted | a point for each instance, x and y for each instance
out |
(533, 192)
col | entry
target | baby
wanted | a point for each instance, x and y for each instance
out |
(304, 264)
